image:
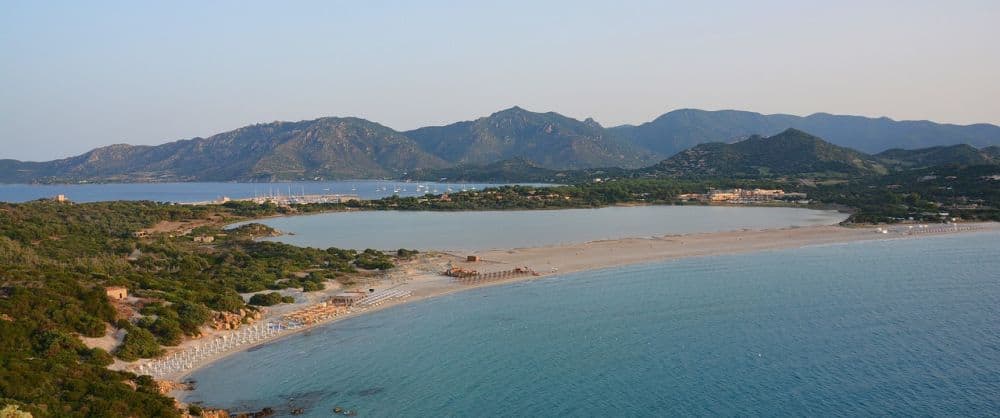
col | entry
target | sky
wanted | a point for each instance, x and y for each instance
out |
(82, 74)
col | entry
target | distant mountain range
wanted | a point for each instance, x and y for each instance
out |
(516, 141)
(682, 129)
(790, 153)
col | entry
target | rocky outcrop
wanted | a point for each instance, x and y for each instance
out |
(266, 412)
(208, 413)
(167, 386)
(231, 321)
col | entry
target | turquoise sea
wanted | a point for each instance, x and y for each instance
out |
(898, 327)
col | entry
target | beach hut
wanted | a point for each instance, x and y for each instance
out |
(116, 292)
(347, 298)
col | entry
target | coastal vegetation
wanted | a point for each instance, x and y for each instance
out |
(270, 299)
(58, 258)
(932, 194)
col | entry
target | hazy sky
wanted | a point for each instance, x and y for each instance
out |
(81, 74)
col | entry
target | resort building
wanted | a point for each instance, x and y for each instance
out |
(750, 195)
(691, 196)
(284, 200)
(723, 195)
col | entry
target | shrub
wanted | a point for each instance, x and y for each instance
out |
(167, 331)
(404, 253)
(373, 260)
(138, 343)
(267, 299)
(229, 301)
(312, 286)
(99, 357)
(190, 316)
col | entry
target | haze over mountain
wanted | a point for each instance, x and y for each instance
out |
(341, 148)
(681, 129)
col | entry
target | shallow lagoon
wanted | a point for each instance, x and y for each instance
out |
(390, 230)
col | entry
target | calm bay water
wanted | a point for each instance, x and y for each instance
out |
(204, 192)
(512, 229)
(899, 327)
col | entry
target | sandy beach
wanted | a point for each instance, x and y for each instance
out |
(422, 277)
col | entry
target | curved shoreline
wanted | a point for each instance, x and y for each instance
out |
(595, 255)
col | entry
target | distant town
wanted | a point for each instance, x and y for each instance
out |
(743, 196)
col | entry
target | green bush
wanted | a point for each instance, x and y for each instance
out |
(99, 357)
(229, 301)
(374, 260)
(267, 299)
(138, 343)
(312, 286)
(190, 316)
(167, 331)
(404, 253)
